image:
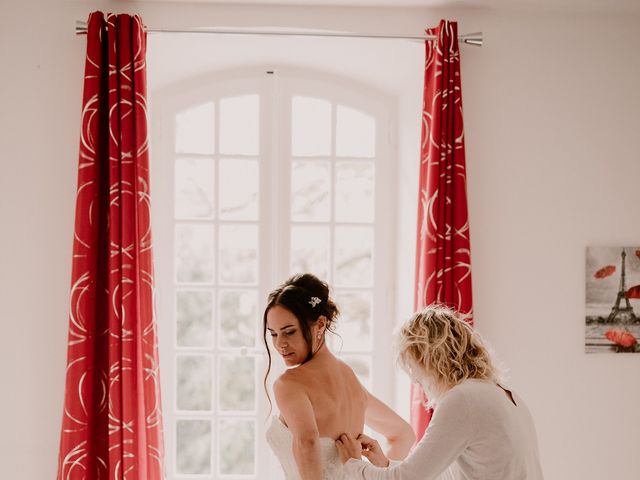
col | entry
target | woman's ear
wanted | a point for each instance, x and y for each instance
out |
(321, 324)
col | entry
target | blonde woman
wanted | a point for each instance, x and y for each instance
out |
(480, 430)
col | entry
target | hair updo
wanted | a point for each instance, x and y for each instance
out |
(296, 295)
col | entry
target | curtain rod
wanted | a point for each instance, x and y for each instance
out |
(467, 38)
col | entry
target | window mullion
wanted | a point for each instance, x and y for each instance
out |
(282, 182)
(332, 195)
(271, 232)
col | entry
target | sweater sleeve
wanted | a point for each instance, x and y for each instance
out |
(446, 438)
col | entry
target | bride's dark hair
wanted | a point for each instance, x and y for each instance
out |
(295, 295)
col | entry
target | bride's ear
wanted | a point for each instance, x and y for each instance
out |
(322, 324)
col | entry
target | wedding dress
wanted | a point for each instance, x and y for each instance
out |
(281, 441)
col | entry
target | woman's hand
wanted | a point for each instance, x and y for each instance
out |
(371, 449)
(348, 447)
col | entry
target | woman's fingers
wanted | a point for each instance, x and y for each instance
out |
(342, 451)
(371, 449)
(348, 447)
(368, 443)
(348, 440)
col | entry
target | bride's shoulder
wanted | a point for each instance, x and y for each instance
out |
(289, 378)
(289, 387)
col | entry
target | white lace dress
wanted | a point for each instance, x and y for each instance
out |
(281, 441)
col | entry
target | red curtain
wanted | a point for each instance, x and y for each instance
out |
(443, 256)
(112, 421)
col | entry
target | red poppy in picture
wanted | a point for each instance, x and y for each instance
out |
(605, 271)
(621, 337)
(634, 292)
(638, 253)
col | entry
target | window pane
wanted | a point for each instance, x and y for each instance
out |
(355, 133)
(354, 191)
(194, 253)
(194, 187)
(237, 447)
(237, 383)
(310, 250)
(194, 318)
(354, 324)
(193, 382)
(195, 129)
(239, 125)
(353, 256)
(310, 126)
(238, 189)
(361, 365)
(193, 447)
(310, 191)
(238, 318)
(238, 254)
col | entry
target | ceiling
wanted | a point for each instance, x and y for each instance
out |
(577, 5)
(340, 3)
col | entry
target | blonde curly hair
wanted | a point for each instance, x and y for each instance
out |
(444, 349)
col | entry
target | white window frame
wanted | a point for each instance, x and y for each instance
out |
(275, 90)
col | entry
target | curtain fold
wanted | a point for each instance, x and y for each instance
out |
(443, 255)
(112, 419)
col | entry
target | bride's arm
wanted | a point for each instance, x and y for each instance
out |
(382, 419)
(295, 408)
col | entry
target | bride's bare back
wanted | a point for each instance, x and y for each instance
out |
(337, 398)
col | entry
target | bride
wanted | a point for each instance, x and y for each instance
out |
(319, 396)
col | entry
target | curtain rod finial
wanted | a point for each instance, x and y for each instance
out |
(81, 27)
(475, 38)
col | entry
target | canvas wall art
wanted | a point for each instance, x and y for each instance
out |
(612, 319)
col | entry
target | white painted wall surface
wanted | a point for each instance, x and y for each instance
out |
(552, 110)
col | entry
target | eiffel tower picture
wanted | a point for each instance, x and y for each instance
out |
(612, 277)
(622, 313)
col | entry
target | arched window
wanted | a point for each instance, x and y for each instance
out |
(258, 174)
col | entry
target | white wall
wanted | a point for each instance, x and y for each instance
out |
(551, 114)
(554, 117)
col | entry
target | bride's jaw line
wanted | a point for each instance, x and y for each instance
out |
(290, 359)
(294, 360)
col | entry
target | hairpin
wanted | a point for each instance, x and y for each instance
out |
(314, 301)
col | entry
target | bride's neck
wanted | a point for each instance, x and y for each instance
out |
(322, 352)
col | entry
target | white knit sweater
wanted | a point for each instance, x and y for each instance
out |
(476, 433)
